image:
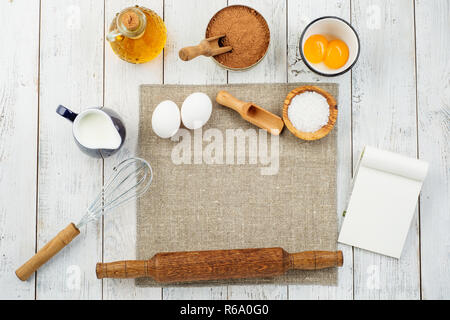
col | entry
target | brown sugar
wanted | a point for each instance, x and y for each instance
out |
(245, 30)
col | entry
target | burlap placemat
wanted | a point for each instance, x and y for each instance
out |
(207, 194)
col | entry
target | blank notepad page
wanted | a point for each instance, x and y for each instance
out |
(383, 201)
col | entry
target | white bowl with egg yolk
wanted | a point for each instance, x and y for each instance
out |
(332, 28)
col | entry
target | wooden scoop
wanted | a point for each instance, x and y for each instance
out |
(207, 47)
(252, 113)
(188, 266)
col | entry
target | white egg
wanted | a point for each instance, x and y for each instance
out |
(166, 119)
(196, 110)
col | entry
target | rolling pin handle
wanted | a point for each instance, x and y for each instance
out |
(122, 269)
(316, 260)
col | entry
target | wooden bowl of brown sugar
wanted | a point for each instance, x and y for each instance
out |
(245, 30)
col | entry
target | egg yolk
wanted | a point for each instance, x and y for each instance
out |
(336, 54)
(315, 48)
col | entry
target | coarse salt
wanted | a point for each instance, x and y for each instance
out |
(308, 111)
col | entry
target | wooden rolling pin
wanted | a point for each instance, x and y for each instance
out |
(167, 267)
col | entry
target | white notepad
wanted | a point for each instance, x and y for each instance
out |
(383, 200)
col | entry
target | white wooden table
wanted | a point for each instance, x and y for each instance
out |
(52, 52)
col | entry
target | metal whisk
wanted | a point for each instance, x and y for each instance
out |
(131, 178)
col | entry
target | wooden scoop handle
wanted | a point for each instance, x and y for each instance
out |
(189, 53)
(207, 47)
(62, 239)
(226, 99)
(219, 264)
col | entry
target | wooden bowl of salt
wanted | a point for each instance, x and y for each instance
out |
(305, 112)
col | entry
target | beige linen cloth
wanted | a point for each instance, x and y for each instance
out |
(252, 200)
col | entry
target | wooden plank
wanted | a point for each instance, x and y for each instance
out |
(258, 292)
(71, 73)
(271, 69)
(195, 293)
(433, 104)
(122, 80)
(186, 32)
(384, 116)
(189, 32)
(300, 13)
(19, 58)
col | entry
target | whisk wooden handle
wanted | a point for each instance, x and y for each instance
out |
(189, 266)
(62, 239)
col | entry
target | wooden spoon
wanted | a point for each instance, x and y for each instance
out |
(252, 113)
(207, 47)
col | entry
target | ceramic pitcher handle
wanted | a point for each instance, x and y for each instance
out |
(66, 113)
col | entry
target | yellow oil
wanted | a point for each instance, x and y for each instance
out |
(145, 48)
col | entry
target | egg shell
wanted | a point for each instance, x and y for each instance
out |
(166, 119)
(196, 110)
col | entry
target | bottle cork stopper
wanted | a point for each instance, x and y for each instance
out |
(130, 20)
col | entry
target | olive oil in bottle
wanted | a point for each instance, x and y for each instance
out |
(137, 34)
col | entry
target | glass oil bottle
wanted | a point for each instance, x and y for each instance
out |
(137, 34)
